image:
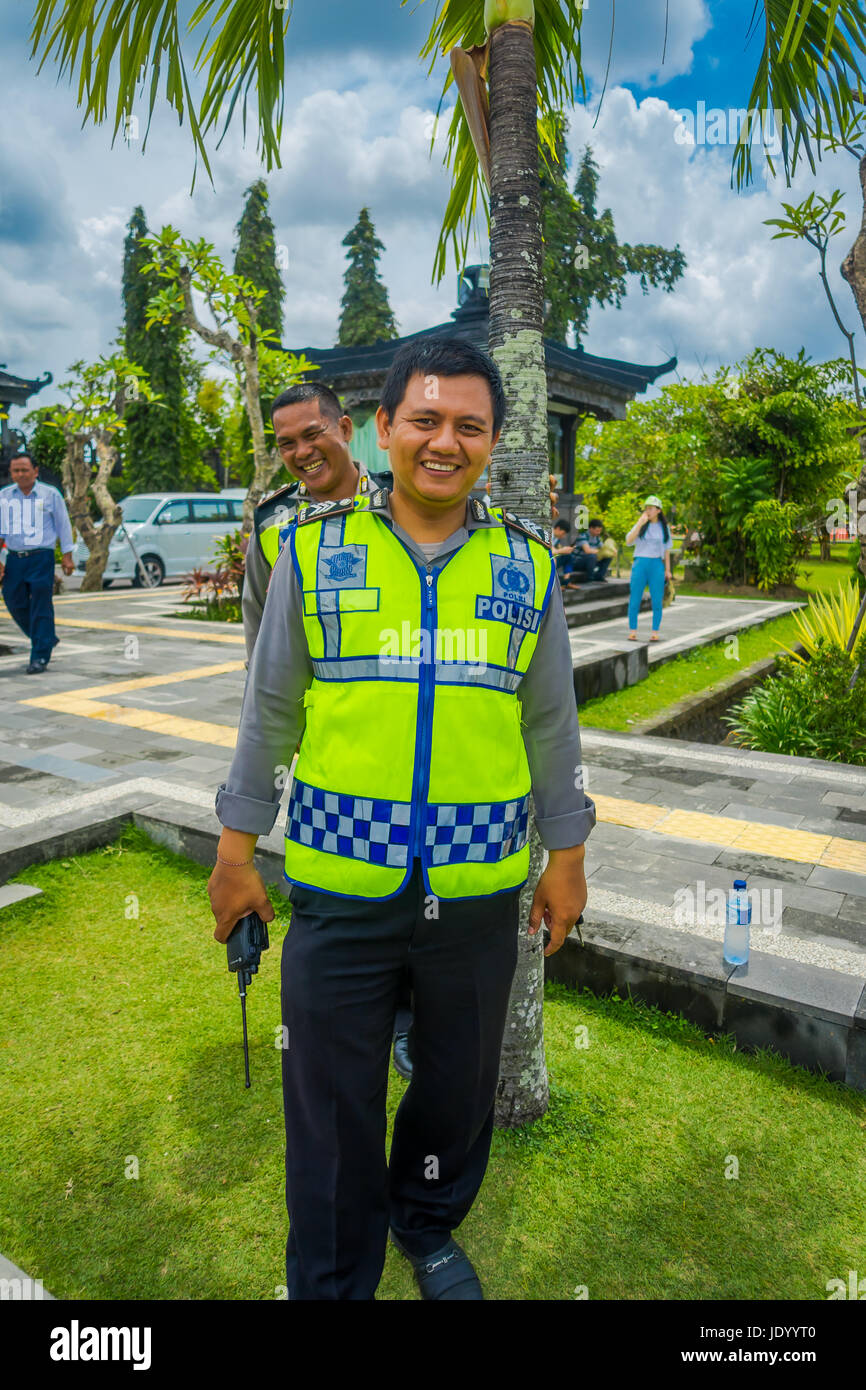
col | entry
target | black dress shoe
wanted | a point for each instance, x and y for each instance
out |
(402, 1058)
(36, 666)
(446, 1274)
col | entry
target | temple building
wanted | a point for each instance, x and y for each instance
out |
(578, 383)
(16, 390)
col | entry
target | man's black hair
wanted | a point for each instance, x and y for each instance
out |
(561, 525)
(441, 356)
(596, 521)
(25, 454)
(329, 401)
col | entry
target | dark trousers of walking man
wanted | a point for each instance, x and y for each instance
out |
(28, 590)
(342, 970)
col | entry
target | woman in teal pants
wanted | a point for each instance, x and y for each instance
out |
(651, 538)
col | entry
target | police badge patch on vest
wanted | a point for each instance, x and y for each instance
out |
(511, 599)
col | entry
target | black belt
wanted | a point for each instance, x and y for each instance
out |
(34, 550)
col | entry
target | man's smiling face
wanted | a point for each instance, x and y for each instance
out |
(313, 447)
(440, 439)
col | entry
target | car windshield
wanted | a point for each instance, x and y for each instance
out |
(137, 508)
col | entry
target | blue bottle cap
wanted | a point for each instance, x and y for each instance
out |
(739, 883)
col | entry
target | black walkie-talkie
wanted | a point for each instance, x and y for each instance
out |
(244, 947)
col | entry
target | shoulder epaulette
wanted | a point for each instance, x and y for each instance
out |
(478, 510)
(321, 511)
(287, 488)
(529, 528)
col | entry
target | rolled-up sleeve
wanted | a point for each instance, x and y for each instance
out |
(564, 813)
(272, 712)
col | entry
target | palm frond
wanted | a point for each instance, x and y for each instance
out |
(560, 78)
(130, 47)
(809, 70)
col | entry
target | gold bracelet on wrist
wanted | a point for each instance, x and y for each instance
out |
(230, 864)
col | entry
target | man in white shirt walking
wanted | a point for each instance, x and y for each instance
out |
(33, 517)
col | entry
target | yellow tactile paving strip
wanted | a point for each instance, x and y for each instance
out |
(190, 632)
(775, 840)
(86, 703)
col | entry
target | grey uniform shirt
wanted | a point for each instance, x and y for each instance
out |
(257, 571)
(280, 671)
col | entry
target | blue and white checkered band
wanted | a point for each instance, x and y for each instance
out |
(352, 826)
(342, 568)
(477, 834)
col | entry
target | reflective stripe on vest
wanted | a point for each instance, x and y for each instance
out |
(434, 661)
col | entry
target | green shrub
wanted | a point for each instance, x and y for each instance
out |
(813, 710)
(853, 556)
(773, 532)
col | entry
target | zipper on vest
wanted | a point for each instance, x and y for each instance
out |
(427, 673)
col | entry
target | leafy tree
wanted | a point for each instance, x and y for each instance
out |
(256, 257)
(366, 315)
(235, 335)
(93, 419)
(45, 439)
(777, 428)
(583, 261)
(160, 452)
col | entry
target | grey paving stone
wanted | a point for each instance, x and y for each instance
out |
(671, 846)
(609, 835)
(843, 829)
(634, 885)
(853, 909)
(809, 926)
(16, 893)
(764, 815)
(839, 798)
(802, 895)
(838, 880)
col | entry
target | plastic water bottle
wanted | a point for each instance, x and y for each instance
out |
(736, 948)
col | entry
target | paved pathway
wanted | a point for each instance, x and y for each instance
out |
(687, 623)
(137, 699)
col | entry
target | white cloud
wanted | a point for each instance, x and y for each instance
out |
(639, 40)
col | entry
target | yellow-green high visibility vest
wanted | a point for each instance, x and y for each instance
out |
(434, 661)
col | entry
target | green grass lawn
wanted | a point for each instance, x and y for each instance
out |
(690, 674)
(123, 1041)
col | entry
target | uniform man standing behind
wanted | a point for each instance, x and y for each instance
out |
(424, 615)
(33, 517)
(313, 435)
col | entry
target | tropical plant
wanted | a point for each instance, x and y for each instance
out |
(777, 539)
(814, 709)
(829, 618)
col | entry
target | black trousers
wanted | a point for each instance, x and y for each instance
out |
(344, 965)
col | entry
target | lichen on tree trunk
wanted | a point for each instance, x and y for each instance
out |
(519, 468)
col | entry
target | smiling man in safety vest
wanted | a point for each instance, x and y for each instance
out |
(416, 643)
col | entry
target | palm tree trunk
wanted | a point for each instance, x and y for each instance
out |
(519, 469)
(854, 271)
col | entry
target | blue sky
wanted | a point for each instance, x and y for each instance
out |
(356, 130)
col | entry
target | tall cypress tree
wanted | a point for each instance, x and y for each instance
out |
(366, 315)
(256, 256)
(584, 263)
(157, 451)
